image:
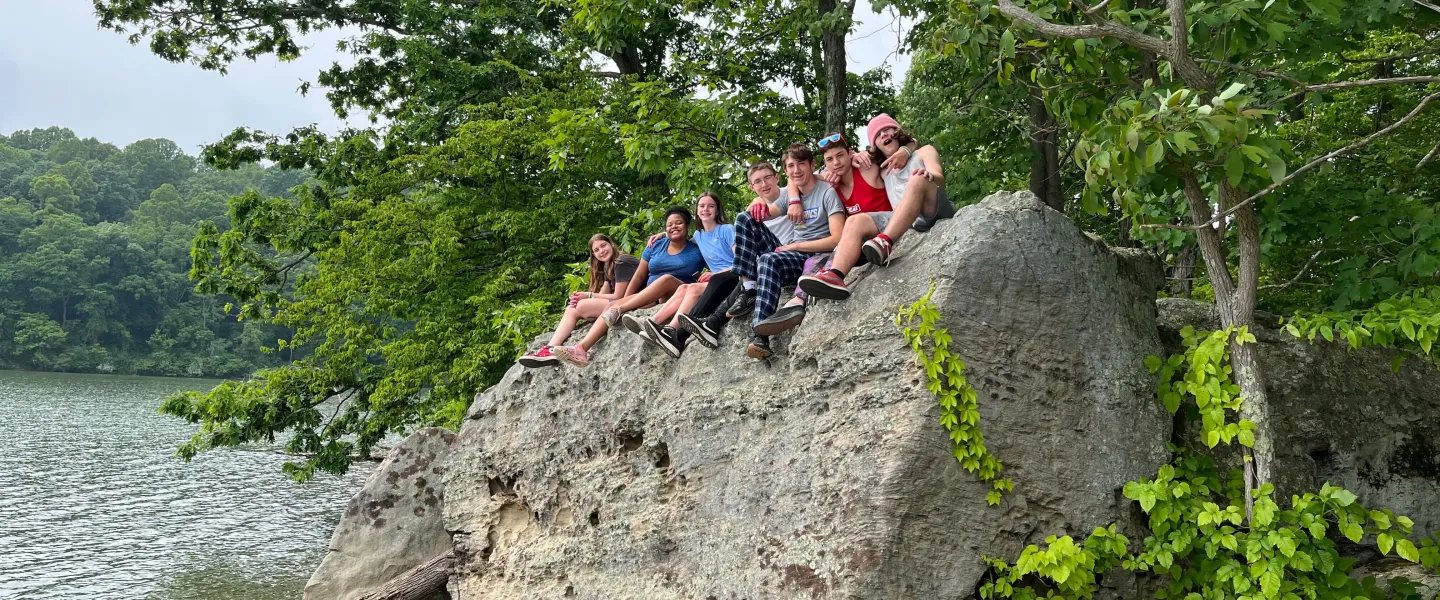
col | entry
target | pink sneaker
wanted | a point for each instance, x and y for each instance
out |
(574, 355)
(540, 358)
(612, 315)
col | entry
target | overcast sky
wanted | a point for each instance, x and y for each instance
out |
(57, 68)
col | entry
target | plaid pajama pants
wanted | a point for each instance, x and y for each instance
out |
(756, 259)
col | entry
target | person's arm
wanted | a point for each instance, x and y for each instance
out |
(826, 244)
(642, 273)
(771, 209)
(930, 163)
(796, 209)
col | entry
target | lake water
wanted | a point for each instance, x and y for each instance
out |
(94, 505)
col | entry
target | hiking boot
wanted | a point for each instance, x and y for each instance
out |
(743, 304)
(574, 355)
(631, 323)
(876, 250)
(825, 284)
(707, 335)
(783, 320)
(612, 315)
(759, 347)
(540, 358)
(671, 341)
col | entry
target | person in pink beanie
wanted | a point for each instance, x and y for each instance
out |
(915, 184)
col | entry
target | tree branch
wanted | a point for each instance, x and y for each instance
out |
(1310, 165)
(1320, 87)
(1256, 72)
(1101, 29)
(1427, 157)
(1297, 276)
(1428, 5)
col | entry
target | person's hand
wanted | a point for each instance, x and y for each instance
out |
(786, 248)
(861, 160)
(653, 239)
(704, 277)
(797, 213)
(896, 161)
(921, 172)
(831, 178)
(576, 297)
(759, 209)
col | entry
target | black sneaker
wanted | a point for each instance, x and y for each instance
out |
(670, 341)
(759, 347)
(744, 304)
(649, 331)
(707, 335)
(783, 320)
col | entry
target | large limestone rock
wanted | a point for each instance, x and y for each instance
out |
(1343, 417)
(823, 473)
(392, 525)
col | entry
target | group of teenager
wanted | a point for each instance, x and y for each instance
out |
(809, 234)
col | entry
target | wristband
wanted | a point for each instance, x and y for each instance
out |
(797, 201)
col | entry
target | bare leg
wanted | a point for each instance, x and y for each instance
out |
(589, 308)
(652, 293)
(918, 199)
(655, 292)
(858, 228)
(670, 307)
(688, 300)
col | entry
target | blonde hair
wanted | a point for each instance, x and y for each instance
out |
(602, 272)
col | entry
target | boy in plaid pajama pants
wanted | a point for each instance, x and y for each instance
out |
(766, 263)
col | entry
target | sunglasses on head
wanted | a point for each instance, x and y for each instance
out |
(831, 139)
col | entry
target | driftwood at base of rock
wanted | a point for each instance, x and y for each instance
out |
(417, 583)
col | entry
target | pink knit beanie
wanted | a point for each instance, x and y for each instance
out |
(880, 121)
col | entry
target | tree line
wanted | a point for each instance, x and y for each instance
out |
(95, 258)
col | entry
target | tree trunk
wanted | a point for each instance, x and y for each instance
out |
(1237, 309)
(425, 581)
(1044, 152)
(832, 48)
(1182, 275)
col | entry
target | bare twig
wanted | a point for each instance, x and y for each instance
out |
(1428, 5)
(1310, 165)
(1298, 275)
(1320, 87)
(1256, 72)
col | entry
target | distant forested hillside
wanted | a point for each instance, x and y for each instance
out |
(95, 256)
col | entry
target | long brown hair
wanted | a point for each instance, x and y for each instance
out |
(901, 137)
(601, 272)
(719, 210)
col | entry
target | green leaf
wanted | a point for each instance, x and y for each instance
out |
(1154, 154)
(1407, 550)
(1342, 496)
(1384, 542)
(1276, 167)
(1007, 44)
(1234, 167)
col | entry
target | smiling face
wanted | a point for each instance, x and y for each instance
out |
(885, 140)
(602, 250)
(765, 183)
(707, 209)
(675, 227)
(837, 160)
(799, 171)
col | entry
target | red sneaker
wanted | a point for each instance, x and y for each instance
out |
(540, 358)
(824, 284)
(876, 250)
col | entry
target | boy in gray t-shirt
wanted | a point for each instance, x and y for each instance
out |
(766, 263)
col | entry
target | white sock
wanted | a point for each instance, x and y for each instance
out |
(748, 284)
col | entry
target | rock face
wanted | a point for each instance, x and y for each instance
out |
(1343, 417)
(823, 473)
(393, 524)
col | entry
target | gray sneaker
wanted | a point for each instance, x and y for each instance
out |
(783, 320)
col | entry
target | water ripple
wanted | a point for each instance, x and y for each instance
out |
(93, 504)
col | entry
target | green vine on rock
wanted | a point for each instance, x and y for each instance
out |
(1200, 545)
(959, 408)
